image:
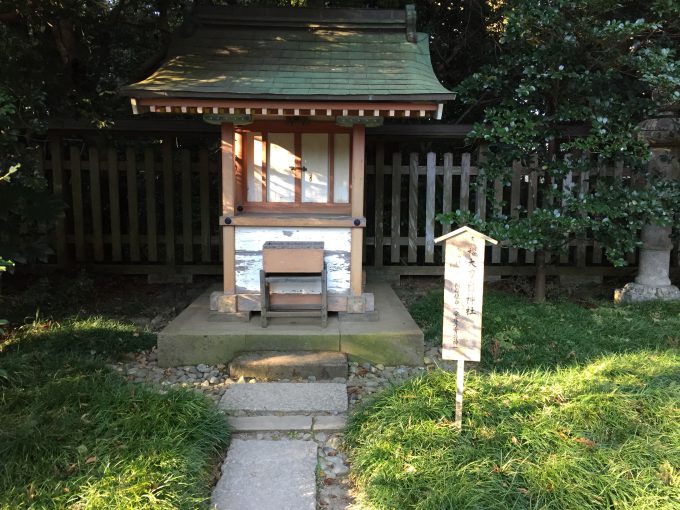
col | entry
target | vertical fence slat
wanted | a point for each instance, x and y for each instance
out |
(150, 192)
(600, 171)
(447, 194)
(465, 182)
(133, 204)
(168, 202)
(187, 235)
(514, 202)
(77, 202)
(567, 185)
(58, 190)
(114, 205)
(205, 204)
(396, 207)
(413, 208)
(498, 208)
(379, 204)
(480, 196)
(429, 207)
(618, 170)
(532, 197)
(96, 203)
(618, 175)
(584, 187)
(480, 193)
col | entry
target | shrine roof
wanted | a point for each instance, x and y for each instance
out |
(298, 54)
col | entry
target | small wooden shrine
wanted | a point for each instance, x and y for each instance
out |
(294, 90)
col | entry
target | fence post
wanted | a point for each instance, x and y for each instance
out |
(96, 203)
(114, 205)
(379, 204)
(77, 202)
(58, 190)
(429, 207)
(396, 208)
(413, 208)
(133, 205)
(168, 202)
(150, 192)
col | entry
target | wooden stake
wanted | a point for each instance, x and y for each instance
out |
(460, 377)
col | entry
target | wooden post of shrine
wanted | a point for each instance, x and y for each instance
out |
(463, 299)
(228, 208)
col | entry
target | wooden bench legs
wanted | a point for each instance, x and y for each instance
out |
(267, 310)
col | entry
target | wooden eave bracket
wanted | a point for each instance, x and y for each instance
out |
(236, 119)
(465, 230)
(351, 120)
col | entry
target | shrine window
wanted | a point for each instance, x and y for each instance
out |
(295, 170)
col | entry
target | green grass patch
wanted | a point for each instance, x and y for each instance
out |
(518, 334)
(598, 435)
(572, 407)
(75, 435)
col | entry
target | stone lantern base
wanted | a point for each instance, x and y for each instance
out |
(637, 292)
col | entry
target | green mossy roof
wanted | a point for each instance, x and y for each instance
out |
(303, 63)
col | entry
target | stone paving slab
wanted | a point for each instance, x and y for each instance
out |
(285, 397)
(269, 423)
(267, 475)
(330, 423)
(274, 365)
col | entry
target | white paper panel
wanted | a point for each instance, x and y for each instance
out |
(254, 156)
(315, 160)
(280, 173)
(337, 246)
(341, 169)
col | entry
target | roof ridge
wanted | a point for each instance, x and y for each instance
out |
(302, 17)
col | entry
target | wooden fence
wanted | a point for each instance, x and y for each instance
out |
(140, 206)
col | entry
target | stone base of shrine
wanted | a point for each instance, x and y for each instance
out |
(636, 293)
(199, 335)
(245, 303)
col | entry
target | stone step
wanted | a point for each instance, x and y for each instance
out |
(275, 365)
(267, 475)
(285, 397)
(270, 423)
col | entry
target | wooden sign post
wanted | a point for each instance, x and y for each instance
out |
(463, 297)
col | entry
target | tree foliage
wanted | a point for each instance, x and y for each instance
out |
(601, 66)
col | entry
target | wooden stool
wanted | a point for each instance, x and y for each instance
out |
(288, 262)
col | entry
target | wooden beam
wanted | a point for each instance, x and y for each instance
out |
(228, 176)
(357, 204)
(228, 206)
(292, 220)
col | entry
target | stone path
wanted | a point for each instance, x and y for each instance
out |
(323, 429)
(271, 472)
(286, 397)
(263, 474)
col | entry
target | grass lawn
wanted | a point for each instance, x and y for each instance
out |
(75, 435)
(572, 408)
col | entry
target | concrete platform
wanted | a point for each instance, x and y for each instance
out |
(267, 475)
(196, 337)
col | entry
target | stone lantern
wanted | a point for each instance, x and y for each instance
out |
(652, 281)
